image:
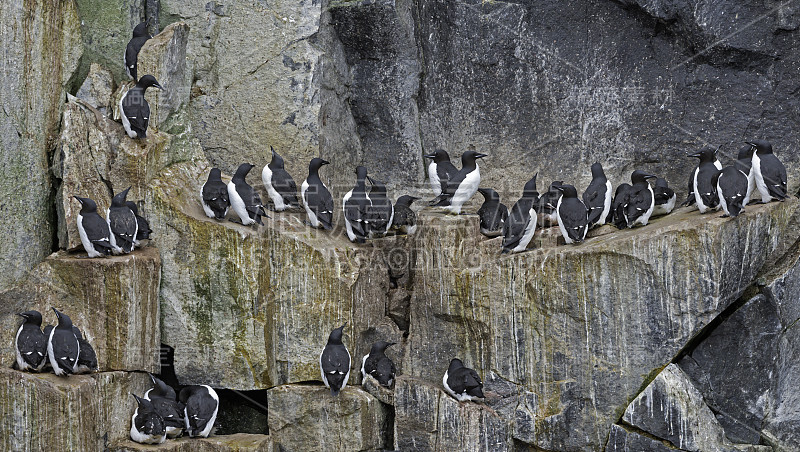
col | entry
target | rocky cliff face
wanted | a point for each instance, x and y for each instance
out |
(681, 335)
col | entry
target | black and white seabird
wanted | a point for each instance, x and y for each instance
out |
(167, 406)
(769, 172)
(462, 382)
(334, 362)
(405, 219)
(63, 349)
(87, 358)
(705, 193)
(492, 213)
(281, 188)
(147, 427)
(214, 196)
(30, 343)
(621, 196)
(440, 170)
(355, 205)
(690, 198)
(134, 109)
(93, 229)
(122, 222)
(143, 230)
(520, 225)
(202, 404)
(546, 205)
(378, 365)
(731, 187)
(317, 198)
(641, 201)
(597, 197)
(462, 185)
(140, 36)
(664, 198)
(573, 216)
(244, 200)
(381, 211)
(744, 163)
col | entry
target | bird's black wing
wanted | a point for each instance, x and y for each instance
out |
(137, 110)
(200, 409)
(285, 186)
(149, 424)
(325, 212)
(132, 56)
(516, 223)
(144, 231)
(171, 411)
(384, 371)
(356, 211)
(774, 174)
(32, 345)
(708, 190)
(637, 204)
(472, 383)
(445, 171)
(215, 195)
(575, 218)
(335, 362)
(87, 356)
(97, 232)
(123, 225)
(690, 193)
(662, 194)
(65, 349)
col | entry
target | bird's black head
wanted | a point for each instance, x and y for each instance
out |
(380, 346)
(529, 190)
(489, 194)
(597, 170)
(336, 335)
(132, 205)
(746, 152)
(406, 200)
(662, 183)
(639, 176)
(87, 205)
(455, 363)
(161, 389)
(140, 30)
(119, 199)
(438, 156)
(145, 406)
(147, 81)
(77, 332)
(316, 163)
(569, 191)
(468, 158)
(215, 175)
(361, 173)
(706, 154)
(64, 322)
(34, 317)
(277, 160)
(242, 171)
(378, 187)
(622, 188)
(762, 146)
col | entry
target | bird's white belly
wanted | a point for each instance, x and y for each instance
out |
(238, 204)
(465, 191)
(527, 235)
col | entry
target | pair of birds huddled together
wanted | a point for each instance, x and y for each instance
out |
(731, 188)
(160, 414)
(134, 109)
(371, 214)
(62, 347)
(121, 231)
(460, 382)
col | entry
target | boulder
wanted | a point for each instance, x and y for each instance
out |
(114, 301)
(428, 419)
(239, 442)
(308, 418)
(80, 412)
(621, 440)
(581, 327)
(97, 89)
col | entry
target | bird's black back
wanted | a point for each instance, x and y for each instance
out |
(32, 344)
(639, 200)
(446, 171)
(404, 216)
(132, 55)
(492, 215)
(137, 110)
(318, 198)
(574, 215)
(169, 410)
(87, 357)
(733, 183)
(123, 226)
(465, 380)
(148, 421)
(594, 199)
(335, 359)
(380, 367)
(65, 348)
(618, 204)
(97, 232)
(283, 183)
(200, 407)
(774, 174)
(215, 195)
(516, 222)
(708, 191)
(251, 199)
(380, 211)
(662, 194)
(356, 210)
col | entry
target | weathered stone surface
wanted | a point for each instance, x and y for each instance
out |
(427, 419)
(308, 418)
(259, 303)
(164, 57)
(81, 412)
(106, 28)
(240, 442)
(672, 409)
(621, 440)
(41, 49)
(114, 301)
(97, 90)
(371, 385)
(578, 329)
(733, 368)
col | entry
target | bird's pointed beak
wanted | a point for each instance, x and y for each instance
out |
(649, 176)
(371, 181)
(429, 156)
(696, 154)
(158, 86)
(58, 314)
(23, 315)
(80, 200)
(325, 162)
(273, 150)
(480, 156)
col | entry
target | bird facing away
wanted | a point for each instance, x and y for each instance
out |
(520, 226)
(93, 229)
(214, 196)
(492, 213)
(730, 184)
(405, 219)
(281, 188)
(140, 36)
(143, 230)
(377, 365)
(769, 172)
(440, 170)
(546, 205)
(201, 406)
(147, 427)
(334, 362)
(317, 199)
(621, 196)
(123, 224)
(30, 343)
(63, 349)
(381, 212)
(244, 200)
(597, 197)
(134, 109)
(573, 216)
(355, 205)
(641, 201)
(462, 185)
(462, 382)
(87, 360)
